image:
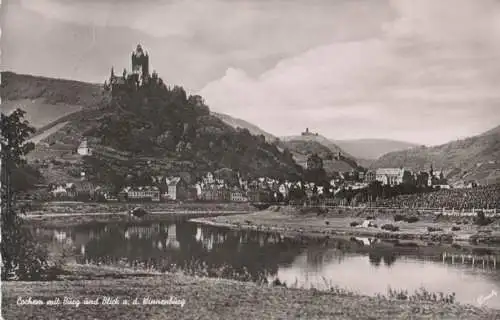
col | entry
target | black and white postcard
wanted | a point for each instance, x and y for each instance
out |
(250, 159)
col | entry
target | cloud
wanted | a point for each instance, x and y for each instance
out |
(227, 22)
(192, 42)
(425, 70)
(430, 77)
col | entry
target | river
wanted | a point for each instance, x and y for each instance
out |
(252, 255)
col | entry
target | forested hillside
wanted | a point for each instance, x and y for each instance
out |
(475, 158)
(159, 127)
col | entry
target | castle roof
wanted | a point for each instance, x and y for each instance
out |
(173, 181)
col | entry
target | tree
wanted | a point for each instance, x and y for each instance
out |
(22, 258)
(408, 178)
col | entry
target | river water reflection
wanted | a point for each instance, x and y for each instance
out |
(228, 253)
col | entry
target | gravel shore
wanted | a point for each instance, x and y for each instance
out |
(289, 222)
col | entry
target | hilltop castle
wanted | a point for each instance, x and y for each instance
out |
(308, 133)
(139, 76)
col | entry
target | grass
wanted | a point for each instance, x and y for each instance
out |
(200, 269)
(420, 295)
(207, 298)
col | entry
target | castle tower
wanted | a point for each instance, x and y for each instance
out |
(140, 62)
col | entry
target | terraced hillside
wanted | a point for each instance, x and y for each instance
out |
(173, 132)
(475, 158)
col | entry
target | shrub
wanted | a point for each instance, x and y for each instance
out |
(421, 295)
(411, 219)
(482, 251)
(407, 244)
(23, 257)
(390, 227)
(278, 283)
(481, 219)
(433, 229)
(317, 210)
(398, 217)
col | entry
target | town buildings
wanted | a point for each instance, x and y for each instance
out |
(238, 195)
(389, 176)
(81, 190)
(176, 189)
(143, 193)
(370, 176)
(314, 162)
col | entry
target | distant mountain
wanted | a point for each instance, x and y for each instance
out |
(475, 158)
(372, 149)
(364, 150)
(240, 123)
(301, 147)
(151, 129)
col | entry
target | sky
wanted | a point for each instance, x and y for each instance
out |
(421, 71)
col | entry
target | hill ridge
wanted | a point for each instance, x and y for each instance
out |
(473, 158)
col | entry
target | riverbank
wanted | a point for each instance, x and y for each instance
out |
(69, 214)
(208, 298)
(297, 222)
(72, 207)
(88, 219)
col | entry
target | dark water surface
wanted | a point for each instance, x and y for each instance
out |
(253, 256)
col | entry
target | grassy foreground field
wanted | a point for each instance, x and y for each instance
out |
(211, 299)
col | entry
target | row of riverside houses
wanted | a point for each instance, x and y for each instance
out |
(263, 189)
(397, 176)
(208, 188)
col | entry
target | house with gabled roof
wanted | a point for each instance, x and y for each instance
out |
(84, 149)
(148, 193)
(389, 176)
(237, 195)
(176, 189)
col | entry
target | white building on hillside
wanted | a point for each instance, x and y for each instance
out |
(83, 148)
(390, 176)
